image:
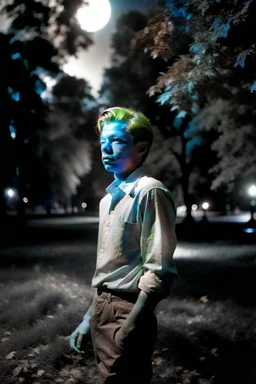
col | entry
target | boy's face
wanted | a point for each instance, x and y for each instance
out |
(119, 153)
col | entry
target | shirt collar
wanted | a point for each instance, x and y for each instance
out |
(127, 185)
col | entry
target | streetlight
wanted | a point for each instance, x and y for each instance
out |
(252, 193)
(10, 192)
(11, 197)
(194, 207)
(205, 206)
(84, 205)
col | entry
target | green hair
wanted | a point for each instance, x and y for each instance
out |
(137, 124)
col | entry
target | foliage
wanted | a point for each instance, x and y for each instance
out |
(235, 124)
(65, 145)
(40, 36)
(127, 79)
(211, 66)
(52, 21)
(126, 83)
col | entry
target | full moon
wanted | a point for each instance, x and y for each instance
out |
(95, 15)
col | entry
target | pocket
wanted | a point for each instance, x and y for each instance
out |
(125, 236)
(121, 310)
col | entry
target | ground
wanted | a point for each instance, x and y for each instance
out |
(207, 332)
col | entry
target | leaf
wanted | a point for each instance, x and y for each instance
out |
(36, 350)
(221, 29)
(10, 355)
(40, 372)
(253, 87)
(158, 360)
(75, 372)
(64, 372)
(248, 3)
(59, 380)
(24, 363)
(240, 60)
(17, 371)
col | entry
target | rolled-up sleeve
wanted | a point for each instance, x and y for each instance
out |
(158, 242)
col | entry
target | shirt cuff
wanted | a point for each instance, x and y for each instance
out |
(150, 283)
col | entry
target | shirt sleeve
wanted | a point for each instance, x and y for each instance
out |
(158, 242)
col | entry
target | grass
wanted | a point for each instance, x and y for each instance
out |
(206, 335)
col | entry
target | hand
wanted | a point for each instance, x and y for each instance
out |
(75, 339)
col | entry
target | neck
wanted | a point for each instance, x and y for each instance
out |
(120, 177)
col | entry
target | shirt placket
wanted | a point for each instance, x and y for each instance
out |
(105, 236)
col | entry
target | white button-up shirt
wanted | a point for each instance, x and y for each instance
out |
(136, 238)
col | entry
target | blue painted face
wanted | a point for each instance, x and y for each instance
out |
(119, 153)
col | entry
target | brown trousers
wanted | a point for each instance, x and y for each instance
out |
(121, 361)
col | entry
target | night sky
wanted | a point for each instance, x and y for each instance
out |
(90, 64)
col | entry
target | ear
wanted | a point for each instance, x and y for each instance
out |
(142, 147)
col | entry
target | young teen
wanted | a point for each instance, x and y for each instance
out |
(136, 242)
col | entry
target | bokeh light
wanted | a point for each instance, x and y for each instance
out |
(205, 205)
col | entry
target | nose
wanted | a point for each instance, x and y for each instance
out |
(106, 147)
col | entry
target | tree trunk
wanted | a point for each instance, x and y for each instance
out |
(20, 175)
(186, 171)
(186, 196)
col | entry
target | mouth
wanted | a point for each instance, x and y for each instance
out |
(107, 159)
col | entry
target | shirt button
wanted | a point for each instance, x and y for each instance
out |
(101, 251)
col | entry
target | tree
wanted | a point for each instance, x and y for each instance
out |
(132, 71)
(126, 82)
(203, 80)
(40, 37)
(67, 144)
(52, 21)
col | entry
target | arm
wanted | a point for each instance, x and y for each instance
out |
(158, 242)
(145, 303)
(75, 339)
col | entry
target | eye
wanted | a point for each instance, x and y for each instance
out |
(116, 140)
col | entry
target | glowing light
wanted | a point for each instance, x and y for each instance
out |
(181, 209)
(12, 131)
(10, 193)
(194, 207)
(249, 230)
(205, 205)
(95, 15)
(25, 200)
(252, 191)
(84, 205)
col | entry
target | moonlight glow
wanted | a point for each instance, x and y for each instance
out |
(95, 15)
